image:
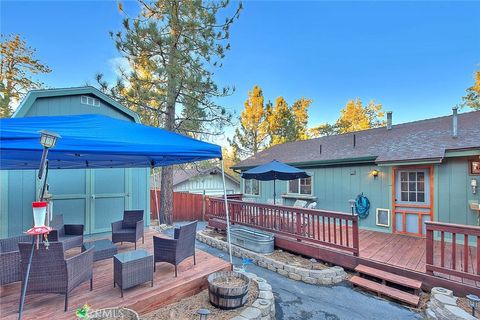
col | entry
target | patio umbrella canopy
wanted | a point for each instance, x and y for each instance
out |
(96, 141)
(274, 170)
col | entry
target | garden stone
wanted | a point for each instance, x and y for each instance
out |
(313, 260)
(309, 280)
(430, 314)
(294, 276)
(238, 318)
(328, 273)
(316, 274)
(440, 290)
(282, 272)
(268, 295)
(325, 281)
(302, 272)
(263, 286)
(446, 300)
(458, 313)
(271, 267)
(263, 306)
(337, 279)
(251, 313)
(289, 268)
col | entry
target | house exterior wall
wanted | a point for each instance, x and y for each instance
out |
(93, 197)
(212, 184)
(333, 186)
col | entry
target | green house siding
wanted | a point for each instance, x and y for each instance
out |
(333, 186)
(93, 197)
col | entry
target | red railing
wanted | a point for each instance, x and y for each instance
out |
(334, 229)
(453, 250)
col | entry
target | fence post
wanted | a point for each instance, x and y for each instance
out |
(429, 248)
(355, 239)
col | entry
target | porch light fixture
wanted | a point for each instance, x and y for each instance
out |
(473, 301)
(375, 173)
(203, 313)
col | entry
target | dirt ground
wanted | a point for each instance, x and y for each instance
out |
(186, 309)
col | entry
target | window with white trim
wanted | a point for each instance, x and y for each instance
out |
(90, 101)
(251, 187)
(301, 186)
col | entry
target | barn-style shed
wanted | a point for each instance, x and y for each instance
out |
(93, 197)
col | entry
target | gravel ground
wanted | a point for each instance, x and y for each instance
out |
(297, 300)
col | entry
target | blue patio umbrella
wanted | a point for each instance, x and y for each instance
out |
(274, 170)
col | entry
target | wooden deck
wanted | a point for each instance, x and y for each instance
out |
(143, 298)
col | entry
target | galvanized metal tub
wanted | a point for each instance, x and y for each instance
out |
(252, 239)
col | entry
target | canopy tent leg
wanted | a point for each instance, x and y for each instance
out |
(156, 197)
(227, 214)
(274, 193)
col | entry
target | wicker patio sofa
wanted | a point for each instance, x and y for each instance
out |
(130, 228)
(50, 272)
(10, 259)
(70, 234)
(175, 250)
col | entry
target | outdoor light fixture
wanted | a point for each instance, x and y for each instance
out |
(203, 313)
(375, 173)
(473, 183)
(47, 140)
(473, 300)
(352, 205)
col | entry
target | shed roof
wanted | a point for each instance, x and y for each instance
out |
(181, 175)
(33, 95)
(424, 140)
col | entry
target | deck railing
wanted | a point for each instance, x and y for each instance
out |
(333, 229)
(460, 242)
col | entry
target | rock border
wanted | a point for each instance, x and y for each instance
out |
(443, 306)
(329, 276)
(264, 307)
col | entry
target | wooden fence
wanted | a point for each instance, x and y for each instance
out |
(448, 250)
(186, 206)
(333, 229)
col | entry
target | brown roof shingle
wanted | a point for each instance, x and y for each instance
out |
(412, 141)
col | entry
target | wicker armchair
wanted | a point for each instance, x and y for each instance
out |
(50, 272)
(130, 229)
(10, 259)
(179, 248)
(70, 234)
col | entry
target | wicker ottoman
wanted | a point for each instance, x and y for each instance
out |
(103, 249)
(132, 268)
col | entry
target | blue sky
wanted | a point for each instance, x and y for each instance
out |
(415, 58)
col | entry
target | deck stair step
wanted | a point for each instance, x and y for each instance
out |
(383, 290)
(389, 277)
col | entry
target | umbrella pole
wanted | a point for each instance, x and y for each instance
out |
(274, 192)
(227, 214)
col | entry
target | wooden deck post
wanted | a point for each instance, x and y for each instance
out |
(355, 239)
(429, 249)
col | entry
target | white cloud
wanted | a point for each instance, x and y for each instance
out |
(119, 63)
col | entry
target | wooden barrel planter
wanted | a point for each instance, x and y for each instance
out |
(228, 289)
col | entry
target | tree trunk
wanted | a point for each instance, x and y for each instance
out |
(166, 196)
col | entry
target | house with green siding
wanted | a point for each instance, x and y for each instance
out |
(93, 197)
(412, 172)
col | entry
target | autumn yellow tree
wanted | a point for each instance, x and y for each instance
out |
(286, 124)
(356, 117)
(250, 137)
(472, 98)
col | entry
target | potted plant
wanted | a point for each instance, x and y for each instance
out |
(228, 289)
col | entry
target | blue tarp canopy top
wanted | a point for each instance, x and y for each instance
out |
(274, 170)
(95, 141)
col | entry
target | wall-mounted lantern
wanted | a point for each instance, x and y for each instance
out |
(375, 173)
(474, 185)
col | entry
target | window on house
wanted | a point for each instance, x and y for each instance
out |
(412, 186)
(90, 101)
(300, 186)
(251, 187)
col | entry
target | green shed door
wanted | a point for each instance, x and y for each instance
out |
(109, 195)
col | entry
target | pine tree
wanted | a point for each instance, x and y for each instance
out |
(173, 47)
(17, 66)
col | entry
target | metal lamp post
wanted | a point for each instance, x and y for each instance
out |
(203, 313)
(47, 140)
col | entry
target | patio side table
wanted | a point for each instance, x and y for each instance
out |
(132, 268)
(103, 249)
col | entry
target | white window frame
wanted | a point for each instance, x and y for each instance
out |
(245, 181)
(298, 193)
(426, 187)
(389, 218)
(90, 101)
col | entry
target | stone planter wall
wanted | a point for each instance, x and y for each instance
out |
(327, 276)
(443, 306)
(264, 307)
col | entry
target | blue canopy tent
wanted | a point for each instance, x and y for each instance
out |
(96, 141)
(274, 170)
